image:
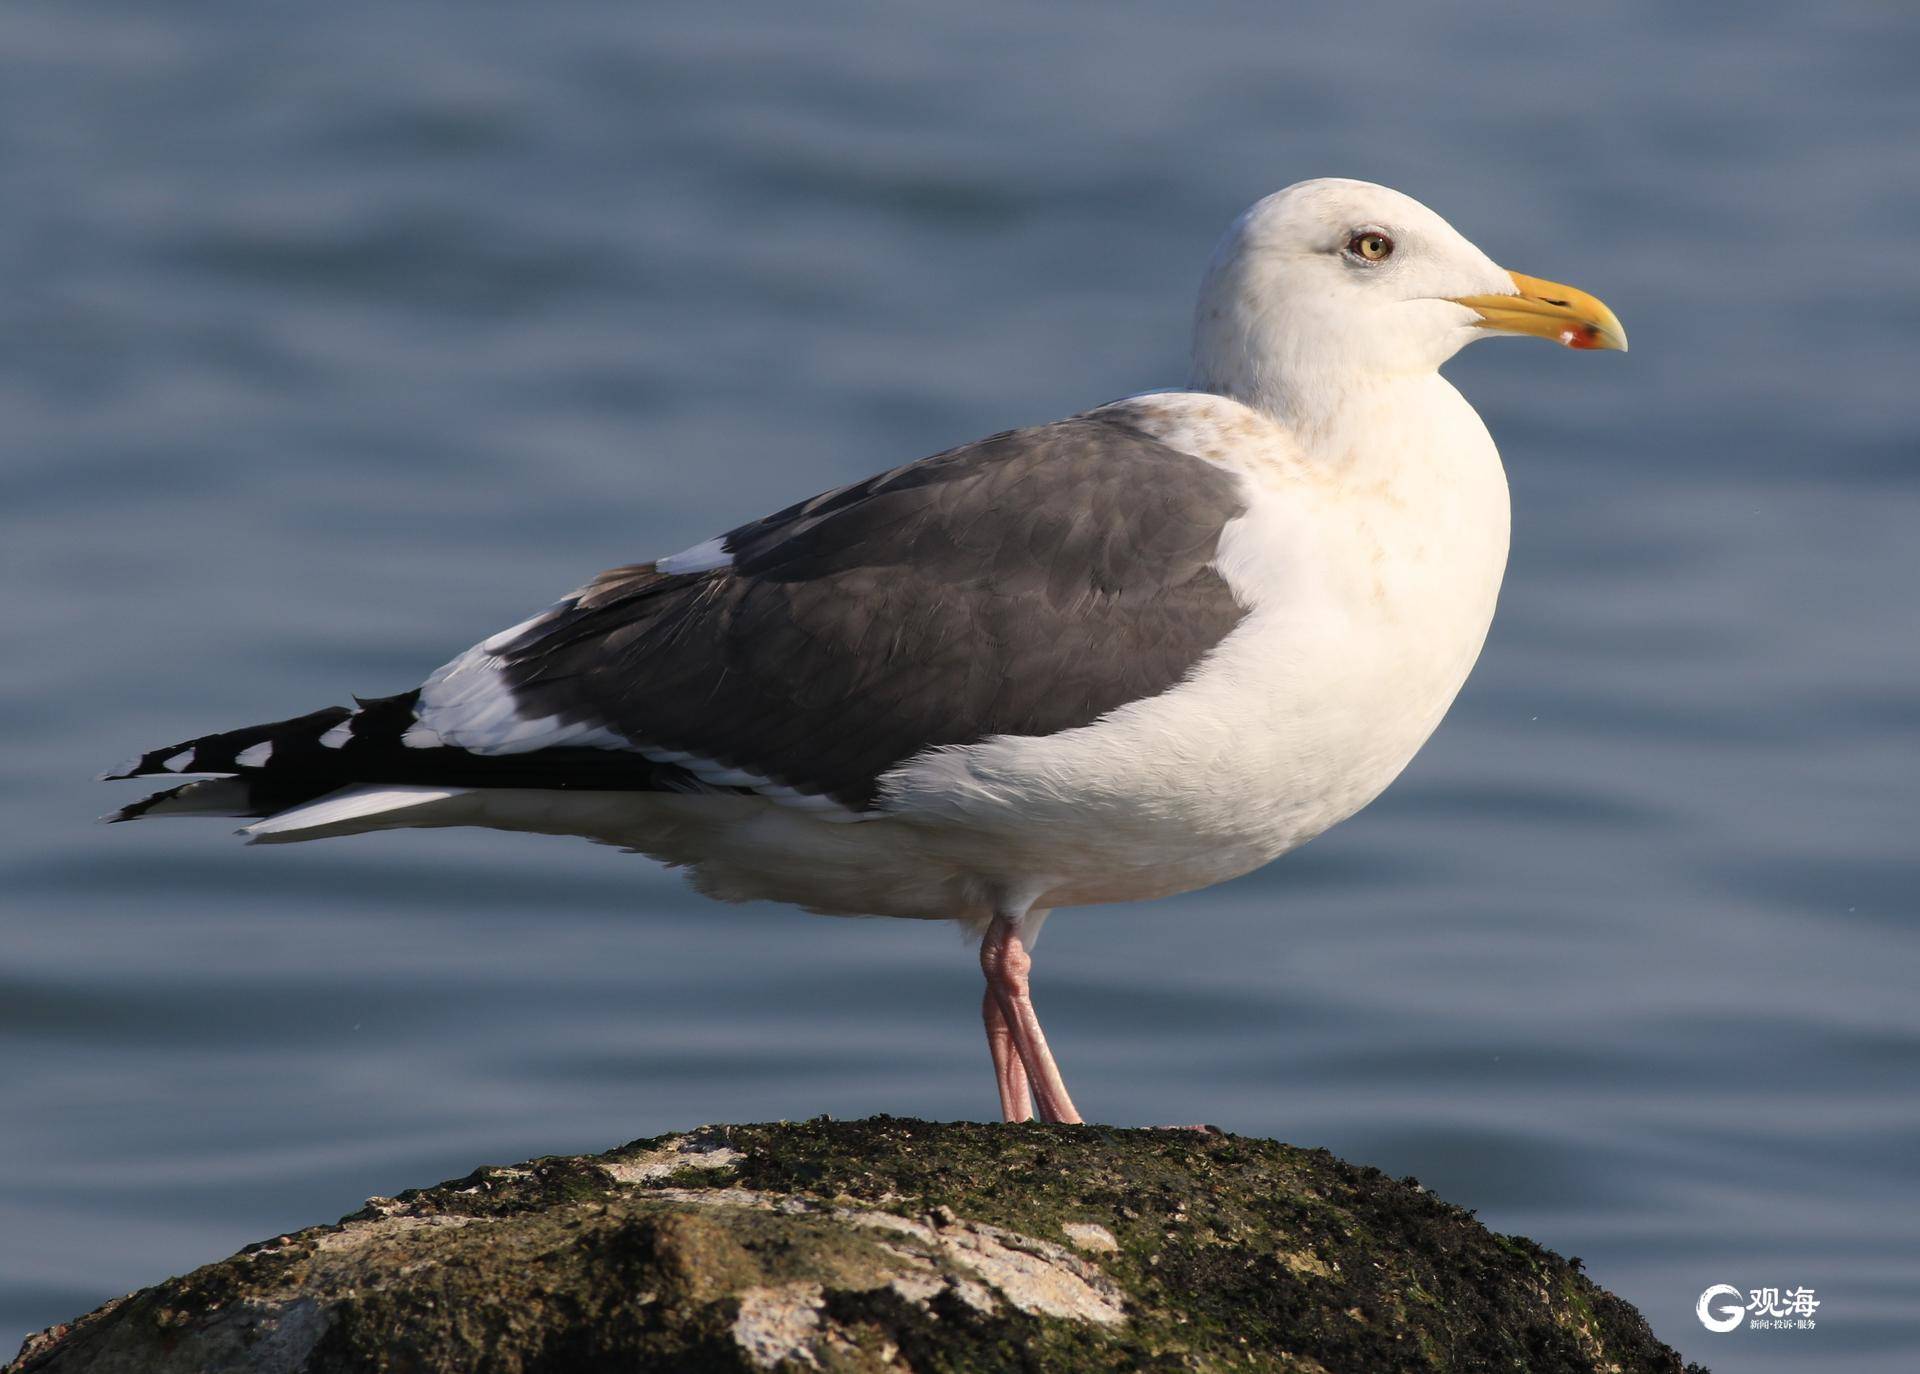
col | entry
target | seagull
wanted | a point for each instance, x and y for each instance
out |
(1124, 655)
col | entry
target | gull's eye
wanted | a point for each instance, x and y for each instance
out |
(1370, 245)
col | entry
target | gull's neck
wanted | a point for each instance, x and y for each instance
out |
(1312, 391)
(1323, 408)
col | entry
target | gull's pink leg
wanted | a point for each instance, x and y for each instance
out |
(1008, 1071)
(1006, 962)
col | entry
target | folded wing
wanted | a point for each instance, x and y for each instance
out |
(1022, 585)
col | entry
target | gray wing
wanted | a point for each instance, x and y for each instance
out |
(1022, 585)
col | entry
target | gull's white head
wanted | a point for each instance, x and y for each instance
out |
(1330, 283)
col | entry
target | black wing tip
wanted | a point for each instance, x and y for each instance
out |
(217, 755)
(153, 764)
(133, 811)
(139, 766)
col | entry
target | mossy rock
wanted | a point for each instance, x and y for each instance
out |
(883, 1245)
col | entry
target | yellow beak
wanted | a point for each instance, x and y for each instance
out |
(1548, 310)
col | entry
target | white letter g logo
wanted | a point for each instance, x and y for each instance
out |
(1727, 1315)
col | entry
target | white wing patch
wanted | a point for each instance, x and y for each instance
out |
(256, 756)
(470, 705)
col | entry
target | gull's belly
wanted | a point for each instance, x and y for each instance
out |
(1172, 799)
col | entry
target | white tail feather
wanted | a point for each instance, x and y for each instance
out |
(349, 810)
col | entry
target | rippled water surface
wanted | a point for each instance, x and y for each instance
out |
(333, 338)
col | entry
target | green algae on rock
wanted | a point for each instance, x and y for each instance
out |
(883, 1245)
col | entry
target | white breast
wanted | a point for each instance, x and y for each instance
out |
(1370, 583)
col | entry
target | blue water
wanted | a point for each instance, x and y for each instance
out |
(333, 338)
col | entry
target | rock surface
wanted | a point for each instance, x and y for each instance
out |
(883, 1245)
